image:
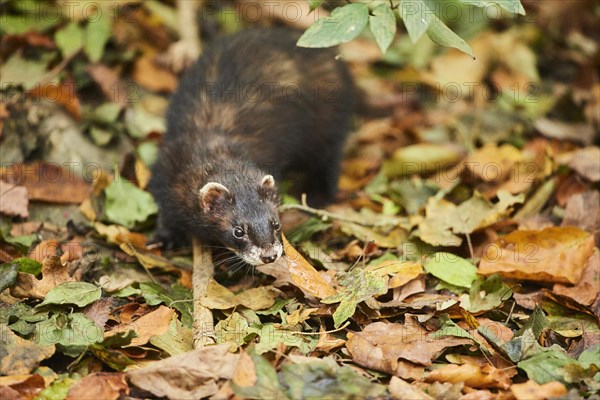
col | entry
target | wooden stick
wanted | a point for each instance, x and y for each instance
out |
(203, 327)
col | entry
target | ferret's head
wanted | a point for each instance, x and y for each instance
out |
(243, 217)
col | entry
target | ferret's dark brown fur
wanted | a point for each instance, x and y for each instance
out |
(253, 107)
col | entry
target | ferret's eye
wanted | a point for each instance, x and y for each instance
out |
(276, 225)
(238, 232)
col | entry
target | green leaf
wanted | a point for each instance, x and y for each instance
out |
(69, 38)
(442, 35)
(97, 34)
(449, 328)
(233, 329)
(512, 6)
(27, 265)
(20, 71)
(176, 340)
(325, 379)
(8, 275)
(79, 293)
(546, 366)
(537, 322)
(140, 122)
(383, 25)
(73, 333)
(57, 390)
(271, 336)
(147, 152)
(452, 269)
(344, 24)
(486, 294)
(314, 4)
(19, 24)
(360, 285)
(267, 384)
(155, 294)
(127, 204)
(416, 17)
(590, 356)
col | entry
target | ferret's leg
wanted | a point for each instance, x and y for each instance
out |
(182, 53)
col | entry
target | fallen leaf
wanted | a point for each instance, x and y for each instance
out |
(579, 133)
(304, 275)
(452, 269)
(358, 285)
(99, 311)
(550, 255)
(586, 162)
(20, 356)
(381, 345)
(154, 323)
(64, 93)
(152, 77)
(15, 201)
(109, 81)
(191, 375)
(126, 204)
(54, 273)
(532, 390)
(49, 182)
(421, 158)
(118, 234)
(588, 287)
(444, 219)
(583, 212)
(400, 389)
(25, 386)
(472, 375)
(218, 297)
(78, 293)
(99, 385)
(493, 163)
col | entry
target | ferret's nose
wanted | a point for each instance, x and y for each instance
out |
(268, 259)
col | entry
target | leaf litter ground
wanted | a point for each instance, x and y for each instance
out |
(460, 260)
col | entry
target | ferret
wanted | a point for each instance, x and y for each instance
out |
(253, 107)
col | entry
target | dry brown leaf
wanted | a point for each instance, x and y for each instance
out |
(472, 375)
(99, 385)
(493, 163)
(192, 375)
(21, 386)
(380, 345)
(109, 82)
(303, 275)
(532, 390)
(549, 255)
(154, 323)
(413, 287)
(586, 162)
(580, 133)
(245, 371)
(99, 311)
(588, 287)
(118, 234)
(15, 200)
(583, 212)
(64, 93)
(44, 249)
(149, 75)
(218, 297)
(400, 389)
(48, 182)
(54, 272)
(20, 356)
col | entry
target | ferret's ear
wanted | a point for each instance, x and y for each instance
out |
(268, 182)
(211, 193)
